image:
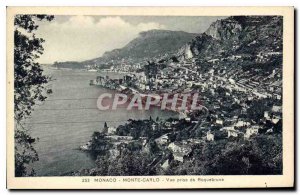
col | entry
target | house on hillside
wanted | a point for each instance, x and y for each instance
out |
(209, 136)
(277, 108)
(253, 130)
(162, 140)
(179, 150)
(231, 132)
(219, 121)
(242, 123)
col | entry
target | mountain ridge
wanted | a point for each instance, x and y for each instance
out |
(150, 44)
(237, 35)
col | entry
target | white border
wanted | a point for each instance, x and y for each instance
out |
(4, 3)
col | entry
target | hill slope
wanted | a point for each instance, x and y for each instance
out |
(238, 35)
(148, 44)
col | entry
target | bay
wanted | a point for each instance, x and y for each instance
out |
(69, 117)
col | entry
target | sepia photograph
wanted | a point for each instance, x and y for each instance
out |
(161, 98)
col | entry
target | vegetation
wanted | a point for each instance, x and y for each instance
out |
(29, 86)
(127, 163)
(261, 155)
(257, 107)
(99, 144)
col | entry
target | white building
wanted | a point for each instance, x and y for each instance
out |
(210, 136)
(232, 133)
(111, 130)
(241, 123)
(179, 150)
(219, 121)
(277, 108)
(253, 130)
(266, 114)
(162, 140)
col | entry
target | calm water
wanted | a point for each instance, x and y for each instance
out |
(68, 119)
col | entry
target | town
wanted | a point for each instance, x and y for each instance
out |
(240, 104)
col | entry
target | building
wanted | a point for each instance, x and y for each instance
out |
(241, 123)
(87, 146)
(162, 140)
(111, 130)
(219, 121)
(154, 126)
(210, 136)
(266, 114)
(179, 150)
(165, 165)
(277, 108)
(253, 130)
(232, 133)
(275, 119)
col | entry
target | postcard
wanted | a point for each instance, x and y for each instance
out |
(150, 97)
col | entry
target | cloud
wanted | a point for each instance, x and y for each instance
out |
(85, 37)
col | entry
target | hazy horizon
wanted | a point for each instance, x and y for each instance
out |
(79, 38)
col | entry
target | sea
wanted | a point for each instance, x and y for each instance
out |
(68, 118)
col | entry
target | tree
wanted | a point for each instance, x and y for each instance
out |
(105, 128)
(153, 147)
(99, 144)
(127, 163)
(29, 85)
(262, 155)
(257, 107)
(102, 165)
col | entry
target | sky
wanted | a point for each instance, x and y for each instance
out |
(79, 38)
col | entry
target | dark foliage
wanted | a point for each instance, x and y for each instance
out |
(29, 85)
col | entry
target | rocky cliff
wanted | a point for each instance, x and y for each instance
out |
(237, 35)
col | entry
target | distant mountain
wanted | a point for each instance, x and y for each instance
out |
(149, 44)
(237, 35)
(69, 64)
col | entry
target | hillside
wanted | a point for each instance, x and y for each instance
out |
(149, 44)
(237, 35)
(247, 36)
